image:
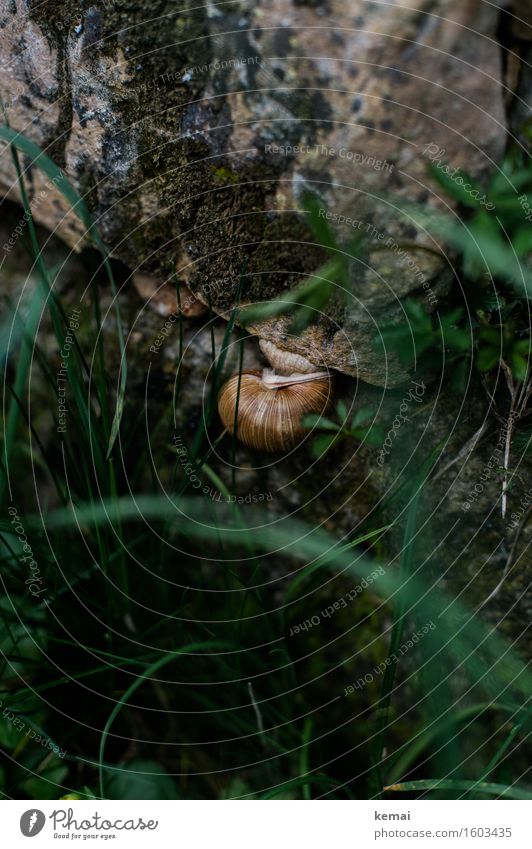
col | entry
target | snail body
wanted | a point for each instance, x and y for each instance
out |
(268, 408)
(285, 362)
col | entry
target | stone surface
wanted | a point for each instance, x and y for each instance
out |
(163, 298)
(171, 125)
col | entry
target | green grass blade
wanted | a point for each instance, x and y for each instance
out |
(326, 561)
(40, 160)
(405, 571)
(411, 750)
(151, 670)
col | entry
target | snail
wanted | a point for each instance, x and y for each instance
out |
(269, 407)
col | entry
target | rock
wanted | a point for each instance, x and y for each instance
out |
(521, 19)
(197, 133)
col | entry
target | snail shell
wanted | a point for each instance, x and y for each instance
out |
(270, 407)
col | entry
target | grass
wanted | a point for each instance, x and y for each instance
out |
(159, 657)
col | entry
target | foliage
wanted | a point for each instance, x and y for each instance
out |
(498, 241)
(358, 425)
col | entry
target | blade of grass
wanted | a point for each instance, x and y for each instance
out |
(40, 160)
(150, 671)
(235, 421)
(322, 563)
(405, 571)
(304, 761)
(17, 391)
(499, 754)
(473, 645)
(410, 751)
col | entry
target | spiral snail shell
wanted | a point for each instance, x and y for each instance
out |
(269, 407)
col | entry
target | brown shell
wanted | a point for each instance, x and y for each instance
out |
(269, 419)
